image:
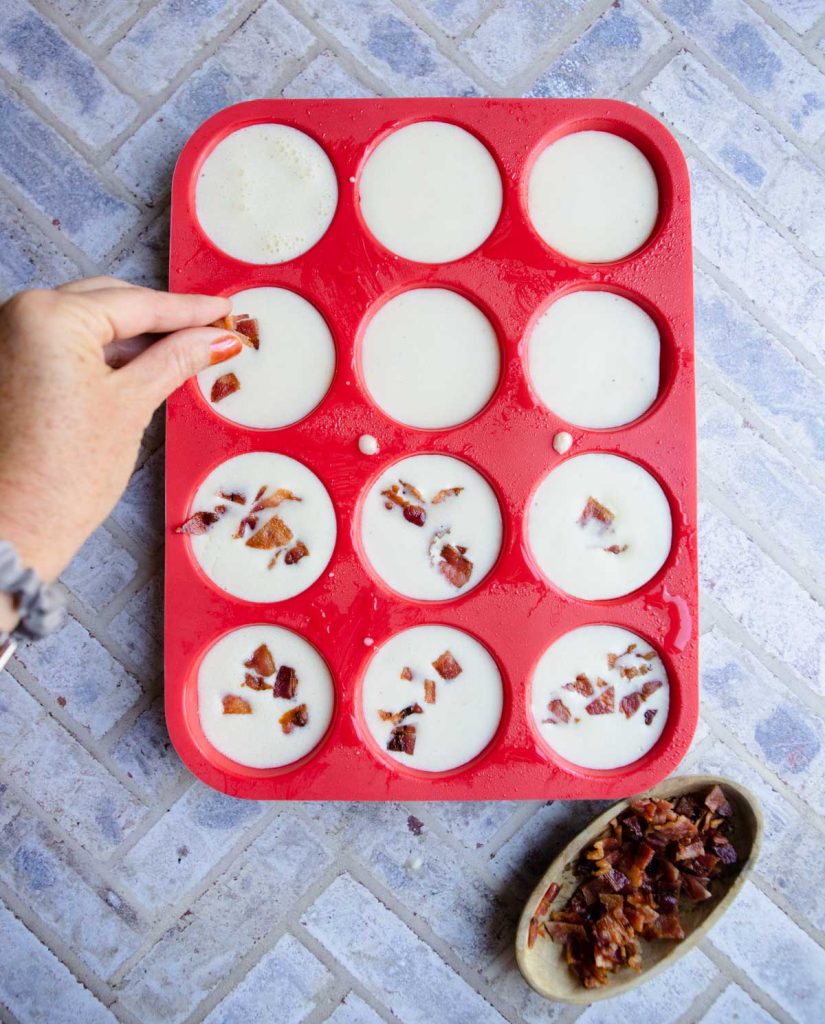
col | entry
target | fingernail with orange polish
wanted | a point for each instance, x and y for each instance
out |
(224, 348)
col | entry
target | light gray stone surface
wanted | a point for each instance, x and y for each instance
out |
(131, 893)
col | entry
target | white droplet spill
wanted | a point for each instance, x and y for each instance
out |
(368, 641)
(367, 444)
(414, 864)
(562, 442)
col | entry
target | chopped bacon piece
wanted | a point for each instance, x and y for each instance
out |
(247, 523)
(396, 717)
(414, 491)
(601, 683)
(630, 704)
(446, 492)
(454, 566)
(402, 739)
(247, 327)
(234, 705)
(629, 672)
(581, 685)
(274, 534)
(650, 687)
(224, 324)
(233, 496)
(429, 691)
(446, 666)
(613, 658)
(559, 712)
(294, 718)
(648, 655)
(286, 683)
(260, 494)
(532, 932)
(298, 551)
(717, 802)
(415, 514)
(394, 498)
(199, 522)
(547, 899)
(224, 386)
(274, 499)
(261, 661)
(616, 549)
(406, 673)
(255, 682)
(274, 560)
(595, 510)
(604, 704)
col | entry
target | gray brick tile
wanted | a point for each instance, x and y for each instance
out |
(20, 715)
(516, 34)
(101, 569)
(472, 822)
(62, 77)
(146, 261)
(325, 77)
(245, 66)
(97, 20)
(736, 1005)
(378, 949)
(138, 628)
(744, 145)
(58, 181)
(82, 677)
(182, 847)
(140, 511)
(146, 754)
(767, 66)
(392, 47)
(452, 16)
(150, 55)
(30, 260)
(225, 923)
(801, 15)
(288, 976)
(40, 867)
(353, 1010)
(607, 56)
(35, 985)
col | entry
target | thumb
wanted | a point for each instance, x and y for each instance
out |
(170, 361)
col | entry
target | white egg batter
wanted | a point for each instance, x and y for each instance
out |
(466, 710)
(599, 526)
(430, 192)
(288, 374)
(266, 193)
(266, 572)
(430, 358)
(628, 701)
(594, 359)
(426, 561)
(593, 197)
(258, 739)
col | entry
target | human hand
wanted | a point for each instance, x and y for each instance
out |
(79, 380)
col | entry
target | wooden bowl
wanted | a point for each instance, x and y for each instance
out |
(544, 967)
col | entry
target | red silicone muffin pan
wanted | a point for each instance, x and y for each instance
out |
(514, 612)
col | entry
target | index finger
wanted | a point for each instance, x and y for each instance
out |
(125, 311)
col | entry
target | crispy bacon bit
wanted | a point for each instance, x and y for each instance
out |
(406, 673)
(616, 549)
(532, 933)
(199, 522)
(595, 510)
(274, 534)
(651, 686)
(274, 499)
(402, 740)
(717, 803)
(261, 661)
(298, 551)
(415, 514)
(631, 886)
(394, 497)
(238, 499)
(601, 683)
(446, 666)
(648, 655)
(613, 658)
(629, 672)
(429, 691)
(295, 718)
(224, 324)
(414, 491)
(454, 566)
(446, 492)
(630, 704)
(255, 682)
(286, 683)
(581, 685)
(247, 523)
(396, 717)
(234, 705)
(260, 494)
(224, 386)
(274, 560)
(247, 327)
(559, 713)
(604, 704)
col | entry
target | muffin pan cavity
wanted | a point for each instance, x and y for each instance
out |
(472, 423)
